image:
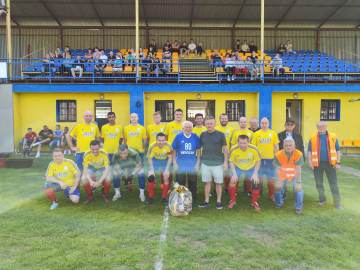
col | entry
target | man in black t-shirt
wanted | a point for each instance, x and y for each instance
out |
(45, 137)
(213, 160)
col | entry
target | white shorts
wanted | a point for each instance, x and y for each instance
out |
(210, 172)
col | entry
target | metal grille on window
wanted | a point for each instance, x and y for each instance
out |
(66, 110)
(166, 109)
(235, 109)
(329, 110)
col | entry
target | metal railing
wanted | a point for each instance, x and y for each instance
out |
(169, 70)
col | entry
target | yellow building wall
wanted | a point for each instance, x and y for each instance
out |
(37, 109)
(347, 128)
(251, 102)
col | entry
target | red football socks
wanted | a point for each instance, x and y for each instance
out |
(165, 191)
(151, 189)
(50, 194)
(88, 190)
(232, 193)
(271, 188)
(107, 186)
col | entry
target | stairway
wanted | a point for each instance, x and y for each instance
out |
(196, 69)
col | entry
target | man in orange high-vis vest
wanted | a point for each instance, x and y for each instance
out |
(324, 156)
(289, 161)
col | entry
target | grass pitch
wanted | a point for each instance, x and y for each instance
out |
(126, 234)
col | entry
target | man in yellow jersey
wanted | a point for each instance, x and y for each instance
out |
(175, 127)
(243, 130)
(112, 135)
(254, 124)
(96, 172)
(84, 134)
(244, 162)
(199, 124)
(225, 128)
(62, 174)
(267, 141)
(159, 159)
(154, 129)
(135, 135)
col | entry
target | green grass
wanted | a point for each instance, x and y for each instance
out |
(125, 235)
(353, 162)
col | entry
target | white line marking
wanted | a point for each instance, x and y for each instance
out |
(164, 228)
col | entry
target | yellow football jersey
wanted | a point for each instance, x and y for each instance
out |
(244, 160)
(134, 137)
(96, 162)
(172, 129)
(153, 130)
(65, 172)
(227, 130)
(238, 132)
(265, 141)
(111, 135)
(199, 130)
(159, 153)
(84, 134)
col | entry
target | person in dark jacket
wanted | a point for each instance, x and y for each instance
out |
(290, 132)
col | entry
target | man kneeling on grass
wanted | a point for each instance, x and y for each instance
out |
(62, 175)
(289, 162)
(96, 172)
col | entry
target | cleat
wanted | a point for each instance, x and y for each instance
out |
(89, 200)
(219, 206)
(105, 197)
(322, 203)
(339, 207)
(150, 201)
(231, 204)
(54, 205)
(256, 207)
(116, 197)
(142, 197)
(204, 205)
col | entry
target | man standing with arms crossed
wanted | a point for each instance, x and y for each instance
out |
(324, 156)
(214, 160)
(84, 134)
(267, 142)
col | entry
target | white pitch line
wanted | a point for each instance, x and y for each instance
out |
(159, 263)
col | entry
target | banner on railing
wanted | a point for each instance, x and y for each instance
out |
(3, 70)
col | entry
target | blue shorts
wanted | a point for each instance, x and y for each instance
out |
(79, 158)
(267, 168)
(159, 165)
(110, 158)
(248, 173)
(56, 187)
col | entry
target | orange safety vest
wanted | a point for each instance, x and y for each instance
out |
(331, 149)
(287, 170)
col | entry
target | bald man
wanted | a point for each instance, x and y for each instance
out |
(84, 133)
(267, 142)
(254, 124)
(324, 156)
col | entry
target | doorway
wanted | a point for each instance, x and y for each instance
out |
(102, 108)
(205, 107)
(294, 111)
